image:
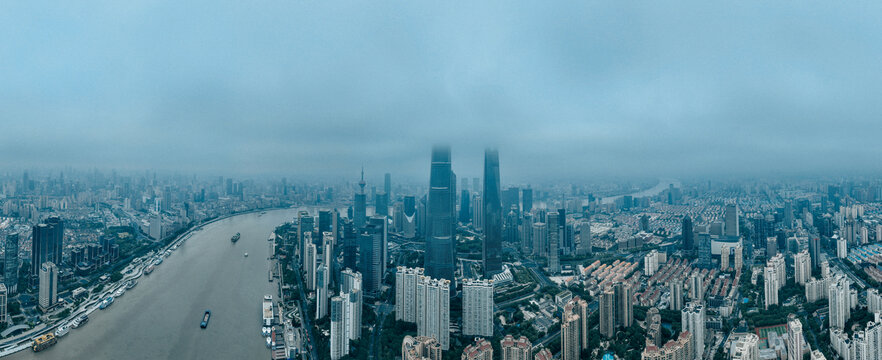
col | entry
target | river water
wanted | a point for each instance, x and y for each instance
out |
(159, 319)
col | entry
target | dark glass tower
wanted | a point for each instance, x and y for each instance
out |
(527, 199)
(688, 235)
(492, 254)
(10, 274)
(350, 246)
(465, 215)
(372, 250)
(440, 217)
(47, 244)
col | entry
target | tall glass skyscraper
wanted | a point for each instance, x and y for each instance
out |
(441, 217)
(10, 274)
(492, 251)
(47, 244)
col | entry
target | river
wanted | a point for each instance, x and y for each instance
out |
(159, 319)
(662, 185)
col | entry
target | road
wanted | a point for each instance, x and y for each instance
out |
(304, 316)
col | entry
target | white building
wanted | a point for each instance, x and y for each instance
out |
(405, 293)
(746, 347)
(433, 309)
(321, 291)
(477, 307)
(339, 342)
(770, 278)
(794, 340)
(738, 257)
(816, 289)
(692, 318)
(650, 263)
(352, 294)
(309, 264)
(48, 286)
(841, 248)
(874, 301)
(802, 267)
(839, 296)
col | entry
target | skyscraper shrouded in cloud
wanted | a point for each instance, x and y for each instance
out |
(492, 248)
(441, 217)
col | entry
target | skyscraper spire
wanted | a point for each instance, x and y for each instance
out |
(362, 183)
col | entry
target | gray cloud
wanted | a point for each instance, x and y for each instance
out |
(570, 89)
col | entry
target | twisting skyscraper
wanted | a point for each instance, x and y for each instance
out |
(441, 217)
(492, 250)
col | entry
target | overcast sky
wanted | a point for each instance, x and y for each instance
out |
(562, 89)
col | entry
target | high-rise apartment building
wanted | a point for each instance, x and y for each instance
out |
(624, 304)
(477, 307)
(746, 347)
(802, 267)
(771, 286)
(492, 248)
(433, 309)
(650, 263)
(839, 301)
(570, 335)
(310, 264)
(515, 349)
(420, 348)
(692, 318)
(440, 256)
(676, 295)
(322, 294)
(353, 298)
(696, 287)
(339, 341)
(679, 349)
(553, 242)
(579, 307)
(607, 313)
(481, 349)
(794, 339)
(405, 293)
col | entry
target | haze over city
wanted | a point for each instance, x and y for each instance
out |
(440, 180)
(573, 90)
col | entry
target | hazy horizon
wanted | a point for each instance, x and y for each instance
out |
(578, 91)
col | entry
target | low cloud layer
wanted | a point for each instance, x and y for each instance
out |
(564, 90)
